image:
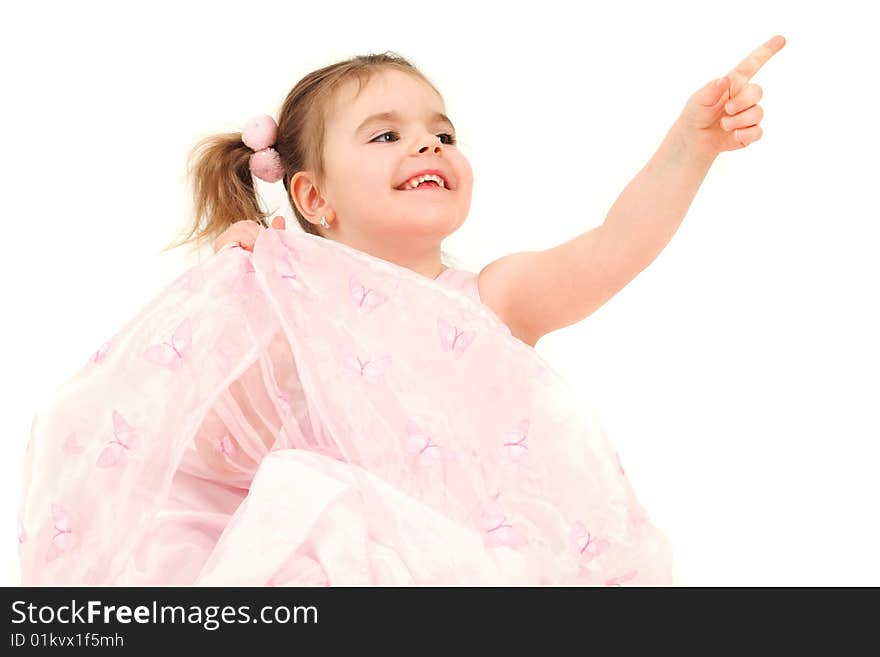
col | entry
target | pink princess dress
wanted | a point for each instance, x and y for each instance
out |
(309, 414)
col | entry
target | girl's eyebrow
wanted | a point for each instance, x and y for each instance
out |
(394, 116)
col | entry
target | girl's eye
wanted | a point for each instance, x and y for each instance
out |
(443, 134)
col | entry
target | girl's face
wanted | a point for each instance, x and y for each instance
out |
(368, 160)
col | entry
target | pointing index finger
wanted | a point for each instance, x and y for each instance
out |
(757, 58)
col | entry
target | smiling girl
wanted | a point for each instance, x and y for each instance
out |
(337, 406)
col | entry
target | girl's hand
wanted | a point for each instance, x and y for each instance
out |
(709, 124)
(243, 234)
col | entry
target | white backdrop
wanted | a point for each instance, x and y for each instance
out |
(738, 374)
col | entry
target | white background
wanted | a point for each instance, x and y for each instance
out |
(738, 374)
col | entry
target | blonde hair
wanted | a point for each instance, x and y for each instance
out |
(218, 165)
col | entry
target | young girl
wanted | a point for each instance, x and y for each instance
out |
(336, 406)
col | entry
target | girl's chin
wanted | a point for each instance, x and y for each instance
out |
(428, 222)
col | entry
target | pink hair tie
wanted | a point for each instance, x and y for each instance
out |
(259, 135)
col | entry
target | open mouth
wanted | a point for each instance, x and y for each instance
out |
(424, 180)
(428, 184)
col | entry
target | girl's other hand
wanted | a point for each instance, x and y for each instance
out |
(243, 234)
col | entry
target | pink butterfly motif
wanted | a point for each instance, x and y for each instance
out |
(192, 280)
(365, 298)
(514, 443)
(285, 271)
(171, 354)
(499, 531)
(584, 544)
(225, 446)
(98, 356)
(617, 581)
(22, 533)
(370, 370)
(284, 404)
(71, 446)
(125, 439)
(63, 537)
(247, 282)
(452, 338)
(418, 443)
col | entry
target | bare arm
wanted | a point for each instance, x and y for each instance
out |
(541, 291)
(650, 209)
(537, 292)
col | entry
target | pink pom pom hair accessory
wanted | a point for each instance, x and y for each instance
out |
(259, 135)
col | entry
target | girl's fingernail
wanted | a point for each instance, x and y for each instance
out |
(729, 108)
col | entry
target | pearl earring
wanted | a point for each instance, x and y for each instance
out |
(324, 222)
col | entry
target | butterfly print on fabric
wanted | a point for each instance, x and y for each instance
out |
(225, 446)
(364, 298)
(172, 354)
(617, 581)
(63, 537)
(420, 445)
(71, 446)
(498, 529)
(453, 338)
(514, 443)
(369, 370)
(98, 356)
(288, 276)
(585, 544)
(247, 282)
(284, 405)
(192, 280)
(125, 439)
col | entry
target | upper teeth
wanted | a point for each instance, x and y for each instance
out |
(412, 183)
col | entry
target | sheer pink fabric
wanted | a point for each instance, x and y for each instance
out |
(308, 414)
